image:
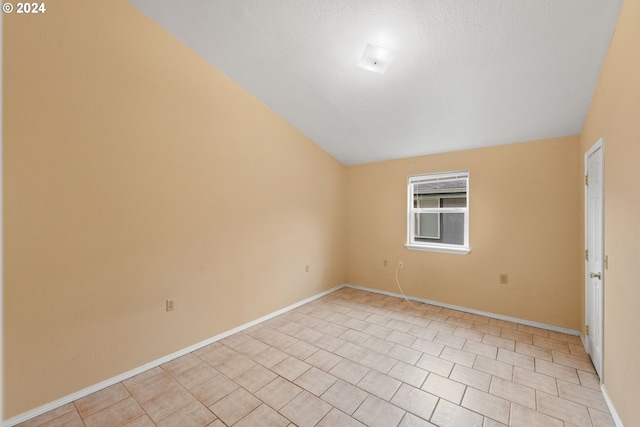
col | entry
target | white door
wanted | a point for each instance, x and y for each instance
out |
(594, 256)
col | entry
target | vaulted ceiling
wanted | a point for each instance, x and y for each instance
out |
(467, 73)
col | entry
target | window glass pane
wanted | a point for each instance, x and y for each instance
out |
(451, 229)
(424, 201)
(428, 225)
(460, 201)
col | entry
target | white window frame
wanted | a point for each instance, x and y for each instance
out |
(411, 214)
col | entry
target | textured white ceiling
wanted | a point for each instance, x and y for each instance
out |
(468, 73)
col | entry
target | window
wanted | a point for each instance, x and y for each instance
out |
(438, 212)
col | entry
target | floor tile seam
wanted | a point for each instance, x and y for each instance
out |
(132, 383)
(177, 410)
(493, 377)
(555, 380)
(332, 323)
(145, 415)
(525, 354)
(297, 394)
(467, 338)
(558, 397)
(458, 363)
(468, 385)
(369, 393)
(558, 341)
(107, 407)
(178, 381)
(489, 393)
(222, 397)
(468, 409)
(575, 367)
(234, 390)
(365, 399)
(578, 402)
(537, 411)
(75, 406)
(447, 400)
(144, 412)
(438, 398)
(560, 365)
(56, 418)
(253, 410)
(332, 408)
(421, 383)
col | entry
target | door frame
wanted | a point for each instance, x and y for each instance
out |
(598, 145)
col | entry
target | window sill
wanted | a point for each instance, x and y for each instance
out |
(448, 249)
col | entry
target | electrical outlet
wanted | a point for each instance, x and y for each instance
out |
(400, 264)
(170, 304)
(306, 268)
(504, 279)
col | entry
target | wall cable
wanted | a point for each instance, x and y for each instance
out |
(401, 291)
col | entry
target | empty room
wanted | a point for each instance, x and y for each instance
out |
(320, 213)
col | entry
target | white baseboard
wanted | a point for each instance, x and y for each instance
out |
(473, 311)
(612, 409)
(119, 378)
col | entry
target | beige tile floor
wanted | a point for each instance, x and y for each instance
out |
(355, 358)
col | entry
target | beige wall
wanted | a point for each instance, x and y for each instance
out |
(523, 222)
(135, 172)
(615, 116)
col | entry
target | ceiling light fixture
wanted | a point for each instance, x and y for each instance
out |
(376, 59)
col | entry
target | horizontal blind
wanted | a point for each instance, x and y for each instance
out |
(439, 177)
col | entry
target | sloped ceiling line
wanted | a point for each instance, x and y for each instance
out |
(467, 75)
